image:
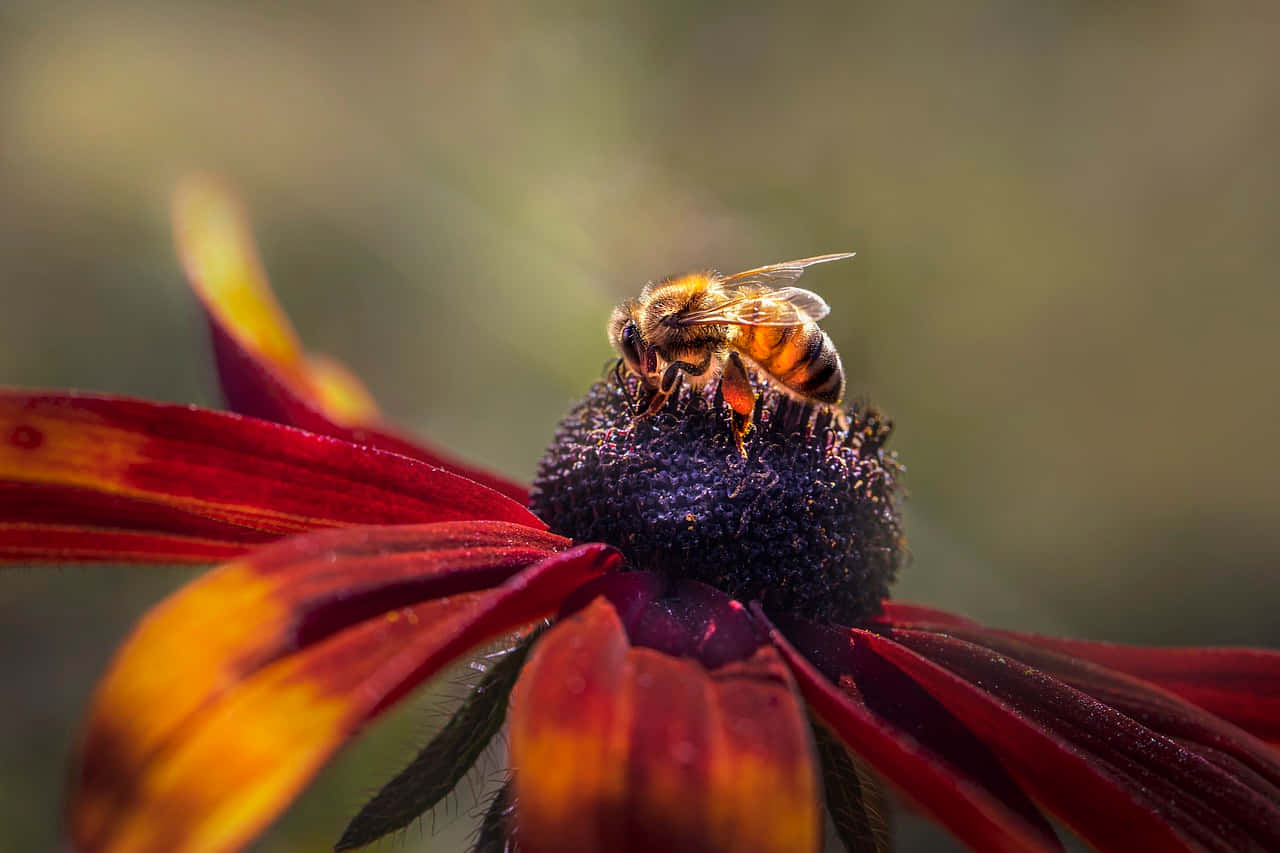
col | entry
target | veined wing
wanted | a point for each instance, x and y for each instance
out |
(786, 306)
(779, 273)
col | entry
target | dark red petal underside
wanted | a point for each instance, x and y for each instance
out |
(954, 798)
(76, 467)
(1118, 783)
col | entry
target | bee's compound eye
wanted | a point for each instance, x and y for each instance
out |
(630, 344)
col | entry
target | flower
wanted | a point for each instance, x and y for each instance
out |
(702, 697)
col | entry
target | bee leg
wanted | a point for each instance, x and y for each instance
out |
(620, 379)
(648, 402)
(670, 382)
(657, 399)
(638, 397)
(656, 402)
(669, 385)
(735, 385)
(676, 369)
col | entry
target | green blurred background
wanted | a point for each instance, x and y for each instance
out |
(1066, 214)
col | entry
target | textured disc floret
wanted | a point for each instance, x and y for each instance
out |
(807, 521)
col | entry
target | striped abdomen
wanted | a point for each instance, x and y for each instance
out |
(801, 358)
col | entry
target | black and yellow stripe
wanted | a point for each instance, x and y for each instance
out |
(801, 358)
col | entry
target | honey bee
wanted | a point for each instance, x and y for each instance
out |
(704, 326)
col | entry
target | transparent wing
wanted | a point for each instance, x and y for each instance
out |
(786, 306)
(779, 273)
(810, 305)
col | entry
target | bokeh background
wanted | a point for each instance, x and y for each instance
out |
(1066, 214)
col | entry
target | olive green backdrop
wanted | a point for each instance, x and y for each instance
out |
(1066, 216)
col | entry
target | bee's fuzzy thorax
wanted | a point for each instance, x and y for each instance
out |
(662, 303)
(807, 522)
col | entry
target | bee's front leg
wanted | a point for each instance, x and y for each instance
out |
(659, 392)
(620, 379)
(660, 397)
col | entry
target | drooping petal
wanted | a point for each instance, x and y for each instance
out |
(616, 747)
(957, 799)
(232, 693)
(1118, 783)
(100, 477)
(1240, 685)
(261, 364)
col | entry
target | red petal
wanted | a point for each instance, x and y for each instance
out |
(1118, 783)
(229, 697)
(622, 748)
(76, 467)
(1145, 702)
(902, 612)
(261, 364)
(1240, 685)
(892, 696)
(29, 543)
(952, 797)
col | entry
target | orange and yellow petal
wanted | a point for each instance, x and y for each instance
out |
(262, 366)
(231, 694)
(217, 251)
(615, 747)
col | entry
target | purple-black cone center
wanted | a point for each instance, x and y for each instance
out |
(807, 522)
